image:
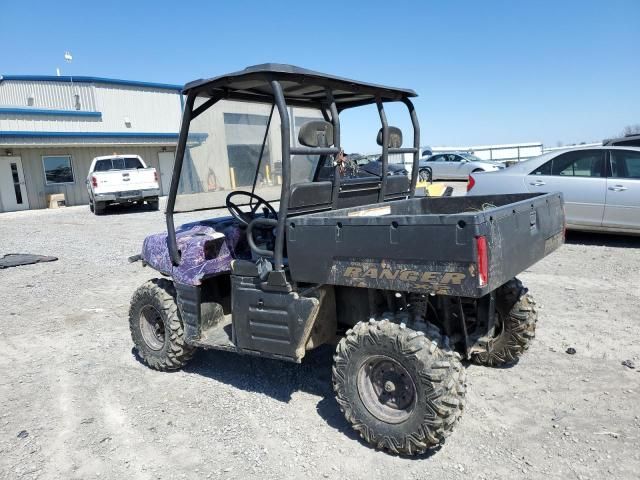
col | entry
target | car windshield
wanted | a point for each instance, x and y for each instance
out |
(235, 146)
(470, 157)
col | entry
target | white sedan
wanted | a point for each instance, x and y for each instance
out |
(454, 166)
(601, 185)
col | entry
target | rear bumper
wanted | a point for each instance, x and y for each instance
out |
(127, 197)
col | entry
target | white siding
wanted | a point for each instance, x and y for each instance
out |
(53, 95)
(148, 109)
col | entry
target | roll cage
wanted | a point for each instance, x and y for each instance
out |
(284, 86)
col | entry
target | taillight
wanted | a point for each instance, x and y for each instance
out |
(94, 181)
(470, 183)
(155, 175)
(483, 261)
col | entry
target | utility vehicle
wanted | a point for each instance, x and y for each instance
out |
(406, 287)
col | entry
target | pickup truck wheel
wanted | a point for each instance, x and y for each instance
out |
(402, 391)
(154, 204)
(515, 326)
(91, 206)
(156, 326)
(99, 208)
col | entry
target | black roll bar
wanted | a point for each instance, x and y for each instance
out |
(335, 121)
(172, 243)
(416, 144)
(285, 132)
(385, 148)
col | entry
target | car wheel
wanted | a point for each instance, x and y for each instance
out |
(425, 175)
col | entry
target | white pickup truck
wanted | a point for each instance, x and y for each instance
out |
(121, 179)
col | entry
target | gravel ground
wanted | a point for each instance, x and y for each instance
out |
(76, 404)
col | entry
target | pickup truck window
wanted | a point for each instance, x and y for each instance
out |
(127, 163)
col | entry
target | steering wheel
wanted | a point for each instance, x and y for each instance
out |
(245, 218)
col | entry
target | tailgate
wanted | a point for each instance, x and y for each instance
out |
(125, 180)
(521, 234)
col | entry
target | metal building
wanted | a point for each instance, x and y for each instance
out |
(51, 127)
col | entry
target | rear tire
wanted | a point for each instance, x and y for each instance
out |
(401, 391)
(154, 204)
(156, 326)
(99, 208)
(515, 326)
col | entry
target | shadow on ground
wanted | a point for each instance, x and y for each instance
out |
(279, 380)
(603, 239)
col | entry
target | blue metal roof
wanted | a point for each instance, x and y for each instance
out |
(82, 79)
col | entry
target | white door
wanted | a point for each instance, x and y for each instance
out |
(13, 193)
(580, 176)
(622, 208)
(166, 170)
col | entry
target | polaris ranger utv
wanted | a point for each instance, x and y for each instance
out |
(314, 253)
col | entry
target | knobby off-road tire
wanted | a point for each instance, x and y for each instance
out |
(515, 326)
(156, 327)
(422, 366)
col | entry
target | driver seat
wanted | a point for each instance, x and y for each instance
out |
(247, 268)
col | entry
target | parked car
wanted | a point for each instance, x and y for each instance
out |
(601, 185)
(631, 140)
(454, 166)
(373, 166)
(121, 179)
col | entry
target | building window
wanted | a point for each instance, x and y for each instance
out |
(57, 169)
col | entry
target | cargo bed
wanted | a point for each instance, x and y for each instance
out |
(462, 246)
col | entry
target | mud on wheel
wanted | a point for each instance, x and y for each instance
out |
(402, 391)
(156, 327)
(516, 318)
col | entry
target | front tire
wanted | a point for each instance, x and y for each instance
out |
(403, 392)
(156, 326)
(515, 326)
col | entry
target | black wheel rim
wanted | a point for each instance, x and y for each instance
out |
(386, 389)
(152, 328)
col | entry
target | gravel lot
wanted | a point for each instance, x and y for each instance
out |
(75, 402)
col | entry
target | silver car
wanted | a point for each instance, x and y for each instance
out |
(454, 166)
(601, 185)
